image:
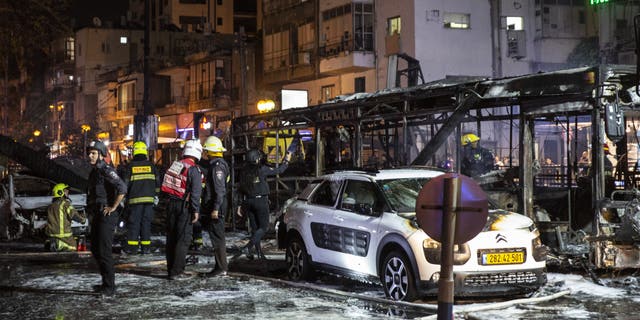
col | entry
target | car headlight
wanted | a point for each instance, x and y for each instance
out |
(539, 250)
(433, 252)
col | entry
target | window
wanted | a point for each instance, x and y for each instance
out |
(363, 26)
(126, 96)
(105, 47)
(359, 196)
(326, 194)
(394, 25)
(69, 49)
(219, 21)
(124, 39)
(514, 23)
(456, 20)
(359, 84)
(327, 93)
(219, 2)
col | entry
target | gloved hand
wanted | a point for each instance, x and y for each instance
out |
(293, 146)
(155, 200)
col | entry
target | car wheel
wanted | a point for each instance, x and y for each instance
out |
(397, 278)
(298, 266)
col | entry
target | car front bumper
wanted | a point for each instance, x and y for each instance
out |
(494, 284)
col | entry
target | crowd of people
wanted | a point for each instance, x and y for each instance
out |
(196, 186)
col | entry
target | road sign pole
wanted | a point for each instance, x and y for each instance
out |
(450, 205)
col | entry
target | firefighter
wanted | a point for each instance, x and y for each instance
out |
(476, 160)
(59, 215)
(183, 184)
(106, 191)
(140, 175)
(255, 191)
(214, 202)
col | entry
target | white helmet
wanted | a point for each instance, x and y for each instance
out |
(214, 144)
(192, 148)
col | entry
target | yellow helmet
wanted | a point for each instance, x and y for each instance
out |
(58, 190)
(469, 138)
(213, 144)
(139, 147)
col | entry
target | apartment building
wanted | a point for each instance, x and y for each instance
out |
(338, 47)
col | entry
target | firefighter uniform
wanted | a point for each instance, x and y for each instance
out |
(476, 160)
(142, 189)
(183, 184)
(59, 215)
(105, 192)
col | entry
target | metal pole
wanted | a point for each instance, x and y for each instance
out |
(84, 149)
(445, 284)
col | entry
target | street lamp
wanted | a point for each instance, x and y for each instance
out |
(266, 105)
(85, 128)
(36, 133)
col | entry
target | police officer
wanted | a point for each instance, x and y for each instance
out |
(59, 215)
(475, 159)
(105, 192)
(255, 190)
(183, 184)
(140, 175)
(214, 202)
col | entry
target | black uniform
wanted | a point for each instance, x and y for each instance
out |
(476, 161)
(104, 187)
(179, 226)
(215, 198)
(255, 189)
(143, 186)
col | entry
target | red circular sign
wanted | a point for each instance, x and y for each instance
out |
(471, 212)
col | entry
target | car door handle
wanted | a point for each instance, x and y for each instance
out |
(339, 218)
(308, 213)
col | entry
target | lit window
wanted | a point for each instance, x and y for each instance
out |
(124, 40)
(456, 20)
(514, 23)
(394, 25)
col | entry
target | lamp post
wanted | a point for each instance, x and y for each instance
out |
(85, 128)
(266, 105)
(57, 112)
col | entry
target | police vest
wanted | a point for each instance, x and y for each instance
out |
(142, 183)
(174, 182)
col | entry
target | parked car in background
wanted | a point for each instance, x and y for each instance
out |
(23, 206)
(362, 225)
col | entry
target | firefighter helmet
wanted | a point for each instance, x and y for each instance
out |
(98, 145)
(139, 147)
(213, 144)
(58, 190)
(192, 148)
(254, 156)
(469, 138)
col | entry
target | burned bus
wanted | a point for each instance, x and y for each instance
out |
(566, 147)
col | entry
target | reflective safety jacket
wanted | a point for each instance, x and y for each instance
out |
(141, 179)
(175, 181)
(59, 215)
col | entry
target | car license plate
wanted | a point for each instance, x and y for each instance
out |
(503, 258)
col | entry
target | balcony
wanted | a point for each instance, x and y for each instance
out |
(345, 56)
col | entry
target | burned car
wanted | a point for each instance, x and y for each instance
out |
(23, 206)
(363, 225)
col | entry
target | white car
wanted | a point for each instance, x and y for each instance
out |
(362, 225)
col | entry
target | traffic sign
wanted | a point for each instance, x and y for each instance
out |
(471, 210)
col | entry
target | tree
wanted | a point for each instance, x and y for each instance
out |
(27, 28)
(586, 53)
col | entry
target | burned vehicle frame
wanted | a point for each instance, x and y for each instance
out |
(525, 120)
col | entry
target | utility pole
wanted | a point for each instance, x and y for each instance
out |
(145, 122)
(496, 50)
(242, 37)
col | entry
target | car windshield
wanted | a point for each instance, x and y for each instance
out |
(402, 193)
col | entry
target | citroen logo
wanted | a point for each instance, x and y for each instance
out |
(500, 237)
